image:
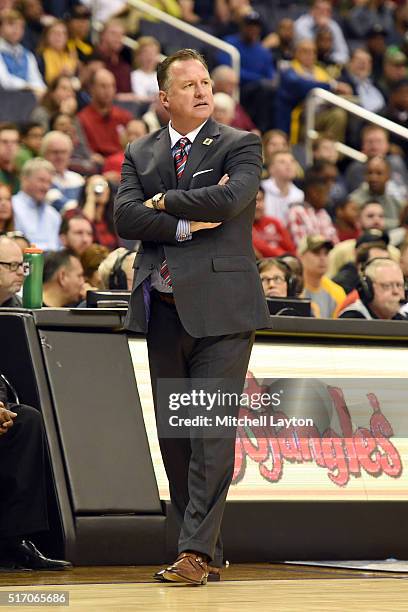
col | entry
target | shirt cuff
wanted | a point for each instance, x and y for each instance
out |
(183, 231)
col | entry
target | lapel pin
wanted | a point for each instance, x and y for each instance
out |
(207, 141)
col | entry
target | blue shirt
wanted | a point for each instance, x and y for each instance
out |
(256, 61)
(39, 222)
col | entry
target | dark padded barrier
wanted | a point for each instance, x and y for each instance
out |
(100, 422)
(120, 540)
(75, 366)
(77, 370)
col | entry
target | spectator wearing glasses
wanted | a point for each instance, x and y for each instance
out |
(273, 274)
(382, 291)
(11, 273)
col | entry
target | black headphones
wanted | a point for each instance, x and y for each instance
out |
(117, 278)
(365, 287)
(290, 278)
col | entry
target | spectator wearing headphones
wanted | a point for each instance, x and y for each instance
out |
(381, 292)
(371, 221)
(277, 278)
(368, 246)
(91, 259)
(116, 271)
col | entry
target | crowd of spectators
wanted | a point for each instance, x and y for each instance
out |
(85, 93)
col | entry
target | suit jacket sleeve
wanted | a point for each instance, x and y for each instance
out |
(217, 203)
(133, 220)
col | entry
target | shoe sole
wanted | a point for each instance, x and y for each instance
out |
(210, 577)
(173, 577)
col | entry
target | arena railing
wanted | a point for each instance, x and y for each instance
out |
(317, 95)
(187, 28)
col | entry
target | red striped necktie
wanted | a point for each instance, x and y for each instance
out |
(180, 156)
(180, 160)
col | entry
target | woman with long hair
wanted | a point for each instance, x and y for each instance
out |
(60, 98)
(55, 57)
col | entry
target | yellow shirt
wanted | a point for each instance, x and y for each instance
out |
(318, 74)
(326, 298)
(57, 62)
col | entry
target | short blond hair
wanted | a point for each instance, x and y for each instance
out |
(106, 266)
(34, 165)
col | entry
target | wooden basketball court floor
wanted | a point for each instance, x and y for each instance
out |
(244, 588)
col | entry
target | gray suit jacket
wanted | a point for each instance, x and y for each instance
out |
(216, 284)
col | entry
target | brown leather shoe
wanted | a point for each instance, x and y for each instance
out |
(214, 574)
(189, 568)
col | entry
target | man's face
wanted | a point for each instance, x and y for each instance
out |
(59, 153)
(135, 129)
(6, 210)
(10, 281)
(361, 64)
(388, 291)
(327, 151)
(324, 41)
(394, 72)
(12, 31)
(286, 30)
(376, 44)
(316, 262)
(377, 175)
(112, 37)
(375, 143)
(274, 282)
(372, 217)
(251, 33)
(317, 195)
(104, 88)
(321, 13)
(79, 236)
(400, 98)
(34, 138)
(9, 140)
(260, 205)
(72, 281)
(306, 54)
(37, 184)
(228, 83)
(189, 98)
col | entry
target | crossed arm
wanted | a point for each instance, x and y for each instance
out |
(213, 204)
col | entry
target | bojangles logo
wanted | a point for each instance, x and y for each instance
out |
(343, 454)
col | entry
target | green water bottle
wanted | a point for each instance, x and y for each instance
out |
(33, 277)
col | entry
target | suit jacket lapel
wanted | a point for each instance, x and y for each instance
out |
(164, 160)
(199, 151)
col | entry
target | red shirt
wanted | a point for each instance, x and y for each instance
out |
(114, 162)
(242, 121)
(348, 234)
(270, 238)
(102, 131)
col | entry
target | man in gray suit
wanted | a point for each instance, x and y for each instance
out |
(188, 193)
